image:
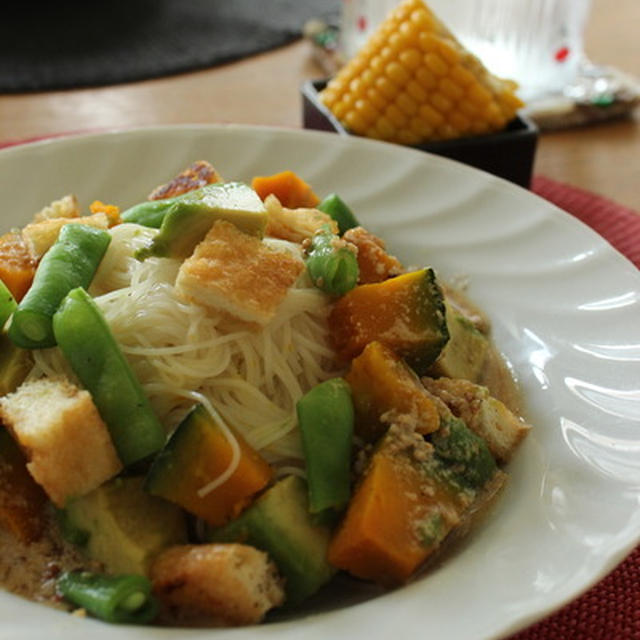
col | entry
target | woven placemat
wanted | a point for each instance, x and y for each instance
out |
(618, 224)
(61, 45)
(608, 611)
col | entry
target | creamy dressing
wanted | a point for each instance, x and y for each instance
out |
(30, 570)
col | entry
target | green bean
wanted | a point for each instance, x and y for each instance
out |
(191, 215)
(150, 213)
(325, 417)
(331, 265)
(7, 304)
(124, 599)
(335, 206)
(71, 262)
(86, 341)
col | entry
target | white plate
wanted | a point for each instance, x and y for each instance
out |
(565, 309)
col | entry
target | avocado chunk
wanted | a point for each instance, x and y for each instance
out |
(465, 353)
(462, 456)
(190, 217)
(279, 523)
(14, 365)
(122, 526)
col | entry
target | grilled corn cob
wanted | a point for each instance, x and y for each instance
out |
(413, 82)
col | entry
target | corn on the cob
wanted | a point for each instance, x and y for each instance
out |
(414, 82)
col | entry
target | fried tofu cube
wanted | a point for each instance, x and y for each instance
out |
(295, 225)
(227, 584)
(485, 415)
(239, 274)
(67, 445)
(374, 263)
(40, 236)
(65, 207)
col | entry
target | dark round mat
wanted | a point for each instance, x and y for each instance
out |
(60, 45)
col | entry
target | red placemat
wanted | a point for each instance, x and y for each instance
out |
(611, 609)
(617, 224)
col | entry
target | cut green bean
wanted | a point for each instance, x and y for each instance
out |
(71, 262)
(87, 343)
(336, 207)
(7, 304)
(190, 217)
(122, 599)
(148, 214)
(151, 213)
(325, 417)
(331, 265)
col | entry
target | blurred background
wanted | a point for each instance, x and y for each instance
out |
(76, 66)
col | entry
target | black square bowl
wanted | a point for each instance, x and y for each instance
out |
(508, 154)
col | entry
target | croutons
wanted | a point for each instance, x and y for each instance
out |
(62, 435)
(295, 225)
(39, 236)
(483, 414)
(239, 274)
(65, 207)
(196, 175)
(224, 584)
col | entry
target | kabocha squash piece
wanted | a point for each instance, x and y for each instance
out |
(465, 353)
(17, 265)
(124, 527)
(290, 189)
(196, 455)
(406, 313)
(409, 499)
(381, 381)
(279, 523)
(22, 500)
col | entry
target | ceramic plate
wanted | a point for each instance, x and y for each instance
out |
(564, 307)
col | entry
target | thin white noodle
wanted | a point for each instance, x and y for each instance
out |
(251, 379)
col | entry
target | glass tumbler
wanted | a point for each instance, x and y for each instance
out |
(537, 43)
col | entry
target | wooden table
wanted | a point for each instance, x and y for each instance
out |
(603, 158)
